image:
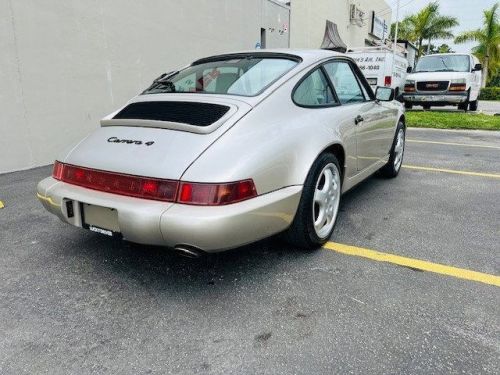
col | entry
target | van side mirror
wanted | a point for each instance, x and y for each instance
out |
(477, 67)
(384, 94)
(409, 69)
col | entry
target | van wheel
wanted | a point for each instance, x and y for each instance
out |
(465, 105)
(426, 107)
(319, 204)
(473, 106)
(408, 105)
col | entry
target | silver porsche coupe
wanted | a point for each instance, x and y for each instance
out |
(230, 150)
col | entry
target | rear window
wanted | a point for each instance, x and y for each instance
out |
(246, 76)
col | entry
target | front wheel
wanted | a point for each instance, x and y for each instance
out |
(408, 105)
(473, 106)
(319, 204)
(393, 166)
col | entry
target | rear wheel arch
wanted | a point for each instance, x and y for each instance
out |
(338, 150)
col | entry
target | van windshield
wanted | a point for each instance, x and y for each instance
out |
(246, 76)
(443, 63)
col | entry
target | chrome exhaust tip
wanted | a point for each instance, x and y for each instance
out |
(188, 251)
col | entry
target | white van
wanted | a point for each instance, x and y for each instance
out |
(444, 79)
(381, 66)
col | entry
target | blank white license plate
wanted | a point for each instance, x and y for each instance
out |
(101, 220)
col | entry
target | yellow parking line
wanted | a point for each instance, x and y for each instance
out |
(452, 144)
(423, 265)
(1, 204)
(466, 173)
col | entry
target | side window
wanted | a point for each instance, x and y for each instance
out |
(345, 82)
(314, 91)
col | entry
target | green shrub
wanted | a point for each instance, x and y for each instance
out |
(490, 93)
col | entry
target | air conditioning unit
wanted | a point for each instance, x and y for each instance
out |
(357, 15)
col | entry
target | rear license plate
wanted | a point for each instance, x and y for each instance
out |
(372, 81)
(99, 219)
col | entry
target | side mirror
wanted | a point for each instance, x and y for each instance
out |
(478, 67)
(409, 69)
(384, 94)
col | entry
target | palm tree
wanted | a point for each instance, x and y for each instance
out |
(427, 25)
(444, 48)
(488, 50)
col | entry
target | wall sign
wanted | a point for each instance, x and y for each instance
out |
(379, 27)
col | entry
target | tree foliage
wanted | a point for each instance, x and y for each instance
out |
(488, 38)
(428, 24)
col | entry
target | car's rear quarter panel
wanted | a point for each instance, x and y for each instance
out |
(276, 143)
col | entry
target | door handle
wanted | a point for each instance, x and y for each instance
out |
(358, 119)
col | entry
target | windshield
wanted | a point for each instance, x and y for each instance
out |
(444, 63)
(246, 76)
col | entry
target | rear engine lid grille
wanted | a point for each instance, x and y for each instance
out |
(433, 85)
(192, 113)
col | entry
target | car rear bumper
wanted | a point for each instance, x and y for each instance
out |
(210, 229)
(435, 99)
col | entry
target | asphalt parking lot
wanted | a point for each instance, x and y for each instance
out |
(76, 302)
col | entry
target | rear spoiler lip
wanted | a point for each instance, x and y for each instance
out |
(109, 121)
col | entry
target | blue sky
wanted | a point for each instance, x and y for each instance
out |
(468, 12)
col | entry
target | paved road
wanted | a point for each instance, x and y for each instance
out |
(76, 302)
(489, 107)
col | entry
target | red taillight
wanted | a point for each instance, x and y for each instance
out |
(216, 194)
(388, 81)
(154, 188)
(57, 171)
(133, 186)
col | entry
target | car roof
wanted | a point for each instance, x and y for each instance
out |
(305, 55)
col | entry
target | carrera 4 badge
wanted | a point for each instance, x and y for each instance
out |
(129, 141)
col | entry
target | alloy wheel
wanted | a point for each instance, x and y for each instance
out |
(399, 150)
(326, 200)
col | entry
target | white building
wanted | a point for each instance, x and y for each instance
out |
(66, 64)
(359, 22)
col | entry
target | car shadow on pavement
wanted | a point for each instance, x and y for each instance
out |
(160, 269)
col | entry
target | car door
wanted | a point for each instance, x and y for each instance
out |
(374, 123)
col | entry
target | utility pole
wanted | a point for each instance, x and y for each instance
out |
(395, 44)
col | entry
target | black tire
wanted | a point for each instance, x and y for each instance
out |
(426, 107)
(302, 233)
(473, 106)
(465, 105)
(408, 105)
(391, 170)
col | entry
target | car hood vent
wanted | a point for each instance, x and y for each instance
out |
(192, 113)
